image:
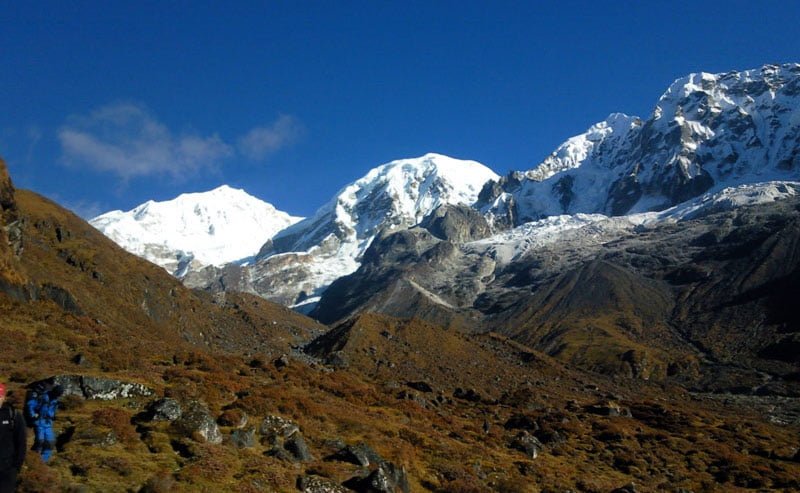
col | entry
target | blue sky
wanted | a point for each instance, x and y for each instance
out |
(108, 104)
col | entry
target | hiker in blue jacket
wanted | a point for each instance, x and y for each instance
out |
(41, 407)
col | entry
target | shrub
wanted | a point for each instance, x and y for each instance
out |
(119, 421)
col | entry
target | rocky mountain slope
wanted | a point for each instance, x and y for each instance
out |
(653, 295)
(195, 229)
(707, 132)
(298, 263)
(176, 390)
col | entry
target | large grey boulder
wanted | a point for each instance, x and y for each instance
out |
(165, 409)
(196, 421)
(297, 447)
(284, 436)
(387, 478)
(98, 388)
(359, 454)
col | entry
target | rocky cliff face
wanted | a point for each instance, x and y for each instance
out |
(10, 230)
(707, 132)
(643, 295)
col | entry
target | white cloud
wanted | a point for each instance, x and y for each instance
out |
(260, 142)
(127, 140)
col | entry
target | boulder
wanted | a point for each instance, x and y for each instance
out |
(244, 438)
(285, 439)
(470, 395)
(97, 388)
(282, 362)
(387, 478)
(316, 484)
(420, 386)
(525, 442)
(196, 421)
(609, 408)
(360, 454)
(165, 409)
(282, 454)
(275, 429)
(297, 447)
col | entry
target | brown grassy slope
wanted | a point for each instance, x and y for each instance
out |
(383, 347)
(130, 320)
(134, 298)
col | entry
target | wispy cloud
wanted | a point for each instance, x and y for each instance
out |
(86, 209)
(260, 142)
(127, 140)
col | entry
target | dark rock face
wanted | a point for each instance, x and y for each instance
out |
(456, 224)
(382, 263)
(624, 193)
(681, 188)
(704, 131)
(563, 190)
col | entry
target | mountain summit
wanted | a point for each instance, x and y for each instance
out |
(707, 132)
(298, 263)
(195, 229)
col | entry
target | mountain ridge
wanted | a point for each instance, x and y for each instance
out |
(706, 132)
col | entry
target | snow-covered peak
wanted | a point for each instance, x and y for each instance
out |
(329, 245)
(576, 150)
(395, 194)
(215, 227)
(707, 132)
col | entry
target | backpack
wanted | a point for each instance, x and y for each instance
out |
(32, 401)
(12, 414)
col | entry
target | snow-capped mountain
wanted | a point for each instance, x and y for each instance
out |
(195, 229)
(707, 132)
(298, 263)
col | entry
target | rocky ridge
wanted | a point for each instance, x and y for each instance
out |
(707, 132)
(648, 296)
